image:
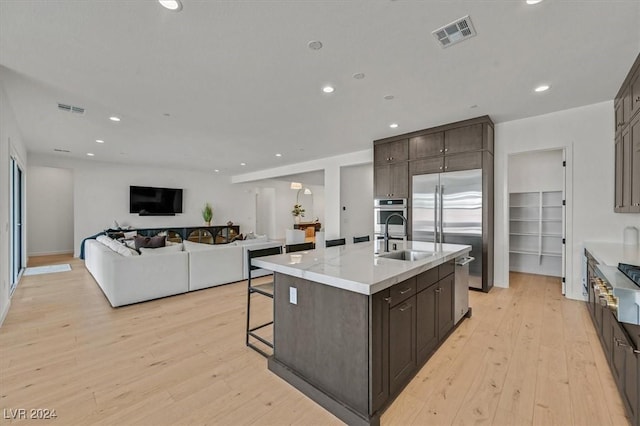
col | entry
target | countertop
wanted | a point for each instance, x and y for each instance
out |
(613, 253)
(357, 267)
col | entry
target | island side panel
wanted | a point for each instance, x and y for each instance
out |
(324, 338)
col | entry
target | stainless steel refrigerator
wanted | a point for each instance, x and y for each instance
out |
(447, 208)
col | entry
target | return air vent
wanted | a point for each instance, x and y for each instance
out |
(455, 32)
(71, 108)
(61, 150)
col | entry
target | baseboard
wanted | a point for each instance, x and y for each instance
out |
(4, 312)
(50, 253)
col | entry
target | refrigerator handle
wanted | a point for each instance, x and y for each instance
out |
(441, 224)
(435, 214)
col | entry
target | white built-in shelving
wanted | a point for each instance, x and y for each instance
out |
(536, 232)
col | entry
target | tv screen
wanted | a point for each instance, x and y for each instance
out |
(146, 200)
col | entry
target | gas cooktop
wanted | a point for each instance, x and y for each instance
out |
(631, 271)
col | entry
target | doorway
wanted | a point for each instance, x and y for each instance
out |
(16, 220)
(537, 213)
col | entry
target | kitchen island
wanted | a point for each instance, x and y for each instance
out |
(352, 327)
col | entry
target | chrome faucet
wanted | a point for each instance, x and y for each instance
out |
(386, 229)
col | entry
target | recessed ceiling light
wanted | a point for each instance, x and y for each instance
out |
(174, 5)
(388, 97)
(533, 1)
(542, 88)
(473, 106)
(114, 118)
(99, 141)
(278, 155)
(90, 154)
(328, 89)
(243, 164)
(358, 75)
(217, 171)
(315, 45)
(393, 125)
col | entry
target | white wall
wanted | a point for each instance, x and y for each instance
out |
(536, 171)
(587, 134)
(356, 198)
(50, 210)
(101, 195)
(10, 145)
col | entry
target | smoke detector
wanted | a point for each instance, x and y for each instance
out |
(455, 32)
(71, 108)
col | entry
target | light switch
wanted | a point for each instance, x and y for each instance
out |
(293, 295)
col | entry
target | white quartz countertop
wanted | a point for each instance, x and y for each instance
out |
(613, 253)
(357, 267)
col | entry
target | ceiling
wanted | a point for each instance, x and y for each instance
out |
(225, 82)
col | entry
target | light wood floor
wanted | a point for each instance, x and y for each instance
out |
(526, 357)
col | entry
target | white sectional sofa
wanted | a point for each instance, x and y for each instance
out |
(127, 279)
(131, 279)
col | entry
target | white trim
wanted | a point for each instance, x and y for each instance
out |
(50, 253)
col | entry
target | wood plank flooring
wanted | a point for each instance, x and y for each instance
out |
(527, 356)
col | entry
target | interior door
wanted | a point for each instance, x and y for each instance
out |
(424, 213)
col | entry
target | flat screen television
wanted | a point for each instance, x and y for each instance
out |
(149, 201)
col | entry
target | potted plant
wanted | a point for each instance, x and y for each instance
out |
(207, 214)
(297, 212)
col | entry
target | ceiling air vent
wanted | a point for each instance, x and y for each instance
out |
(455, 32)
(71, 108)
(61, 150)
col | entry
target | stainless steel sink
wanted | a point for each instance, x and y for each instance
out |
(408, 255)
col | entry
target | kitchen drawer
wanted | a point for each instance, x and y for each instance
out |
(426, 279)
(446, 268)
(402, 291)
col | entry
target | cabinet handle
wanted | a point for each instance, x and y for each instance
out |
(446, 149)
(438, 290)
(637, 99)
(622, 344)
(387, 299)
(440, 167)
(405, 290)
(390, 158)
(446, 167)
(404, 307)
(441, 150)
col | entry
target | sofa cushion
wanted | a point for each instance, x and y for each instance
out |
(116, 246)
(149, 242)
(145, 251)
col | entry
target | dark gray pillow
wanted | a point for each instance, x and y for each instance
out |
(149, 242)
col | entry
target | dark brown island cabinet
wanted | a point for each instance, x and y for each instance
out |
(627, 143)
(353, 353)
(620, 343)
(463, 145)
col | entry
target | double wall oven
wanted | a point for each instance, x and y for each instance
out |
(385, 207)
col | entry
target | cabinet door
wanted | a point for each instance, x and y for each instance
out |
(618, 353)
(426, 166)
(427, 330)
(400, 180)
(619, 174)
(391, 180)
(463, 139)
(391, 152)
(402, 343)
(634, 94)
(468, 161)
(426, 145)
(382, 180)
(607, 333)
(379, 350)
(445, 306)
(619, 114)
(631, 383)
(634, 166)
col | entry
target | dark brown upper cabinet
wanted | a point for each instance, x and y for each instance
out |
(391, 152)
(627, 143)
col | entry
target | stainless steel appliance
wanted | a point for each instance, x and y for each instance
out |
(461, 301)
(619, 290)
(385, 207)
(447, 208)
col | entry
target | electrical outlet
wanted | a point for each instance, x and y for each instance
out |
(293, 295)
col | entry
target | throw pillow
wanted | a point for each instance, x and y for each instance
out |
(161, 250)
(149, 242)
(130, 235)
